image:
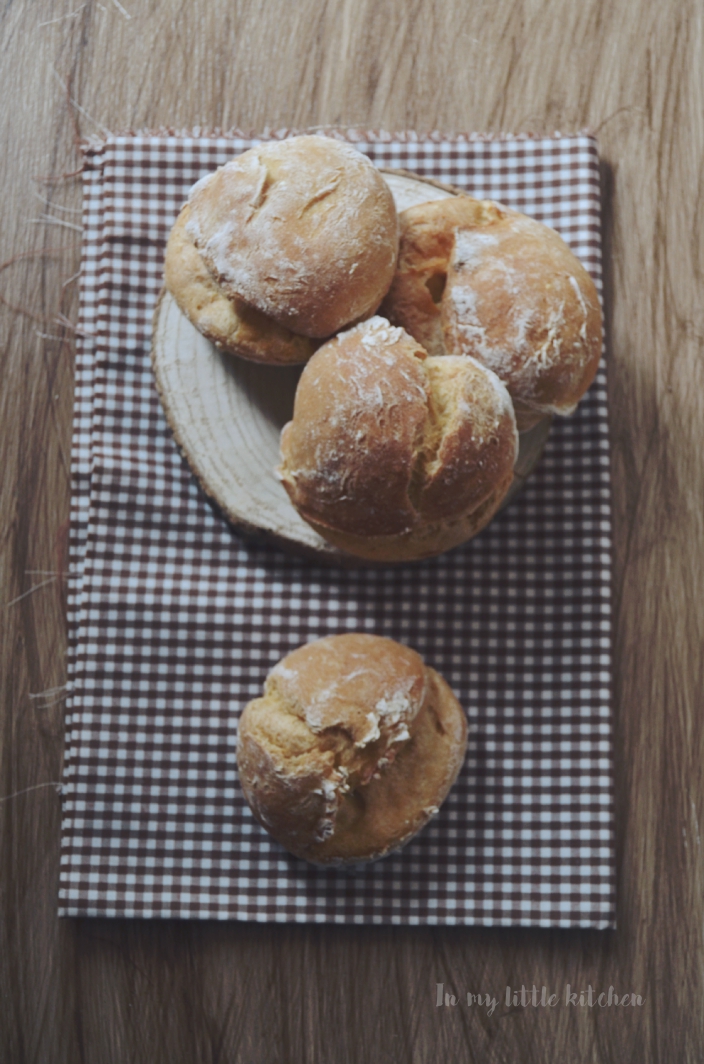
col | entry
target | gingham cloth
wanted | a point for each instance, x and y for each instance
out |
(175, 621)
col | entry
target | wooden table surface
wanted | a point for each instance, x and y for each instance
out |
(185, 993)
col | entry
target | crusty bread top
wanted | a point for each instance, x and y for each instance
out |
(384, 439)
(226, 321)
(330, 712)
(352, 747)
(523, 304)
(425, 249)
(369, 686)
(477, 278)
(304, 229)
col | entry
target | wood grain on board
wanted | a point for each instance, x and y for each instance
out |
(119, 991)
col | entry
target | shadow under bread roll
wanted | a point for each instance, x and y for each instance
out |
(352, 748)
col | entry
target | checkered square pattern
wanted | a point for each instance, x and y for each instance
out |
(175, 621)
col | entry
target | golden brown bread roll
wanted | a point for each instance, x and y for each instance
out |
(228, 322)
(352, 748)
(304, 230)
(476, 278)
(393, 455)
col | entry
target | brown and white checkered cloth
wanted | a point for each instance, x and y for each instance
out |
(175, 621)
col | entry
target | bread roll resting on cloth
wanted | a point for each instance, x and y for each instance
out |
(283, 246)
(351, 750)
(392, 454)
(476, 278)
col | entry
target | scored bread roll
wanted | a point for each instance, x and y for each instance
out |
(352, 748)
(303, 230)
(228, 322)
(393, 455)
(477, 278)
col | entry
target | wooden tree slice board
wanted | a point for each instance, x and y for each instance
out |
(227, 414)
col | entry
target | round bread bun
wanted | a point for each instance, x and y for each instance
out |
(228, 322)
(476, 278)
(351, 750)
(304, 230)
(394, 455)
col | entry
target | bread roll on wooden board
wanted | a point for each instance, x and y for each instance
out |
(393, 454)
(477, 278)
(227, 414)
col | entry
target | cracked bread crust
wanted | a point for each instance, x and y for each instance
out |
(228, 322)
(352, 748)
(426, 242)
(393, 455)
(477, 278)
(305, 230)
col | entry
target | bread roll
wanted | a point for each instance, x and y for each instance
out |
(228, 322)
(476, 278)
(393, 455)
(304, 230)
(352, 748)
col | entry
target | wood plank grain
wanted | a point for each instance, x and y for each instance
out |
(104, 991)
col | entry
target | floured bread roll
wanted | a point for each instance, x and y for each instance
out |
(352, 748)
(393, 455)
(283, 246)
(228, 322)
(476, 278)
